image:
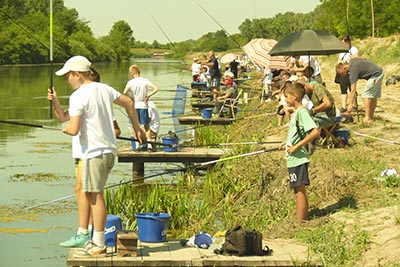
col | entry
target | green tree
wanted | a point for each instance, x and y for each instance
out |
(120, 39)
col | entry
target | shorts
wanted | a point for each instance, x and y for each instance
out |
(373, 88)
(143, 116)
(215, 82)
(299, 175)
(95, 172)
(280, 110)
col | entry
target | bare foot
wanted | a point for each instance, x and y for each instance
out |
(367, 121)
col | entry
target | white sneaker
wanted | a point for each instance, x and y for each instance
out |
(91, 250)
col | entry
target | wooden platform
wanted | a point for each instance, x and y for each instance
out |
(171, 253)
(202, 121)
(184, 155)
(202, 104)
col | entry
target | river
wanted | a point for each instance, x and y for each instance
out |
(36, 164)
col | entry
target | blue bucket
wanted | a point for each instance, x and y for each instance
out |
(170, 141)
(152, 227)
(342, 135)
(113, 225)
(206, 113)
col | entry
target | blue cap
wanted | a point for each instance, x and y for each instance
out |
(203, 240)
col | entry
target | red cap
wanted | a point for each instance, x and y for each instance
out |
(228, 81)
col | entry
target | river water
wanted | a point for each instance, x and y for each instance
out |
(36, 164)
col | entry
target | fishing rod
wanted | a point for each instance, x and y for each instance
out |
(377, 138)
(58, 129)
(165, 34)
(51, 56)
(234, 144)
(199, 165)
(227, 33)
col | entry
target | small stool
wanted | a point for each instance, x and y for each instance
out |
(127, 244)
(327, 135)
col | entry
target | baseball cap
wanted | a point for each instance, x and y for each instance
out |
(75, 63)
(203, 240)
(228, 81)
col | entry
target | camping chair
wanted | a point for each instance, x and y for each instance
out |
(230, 104)
(330, 140)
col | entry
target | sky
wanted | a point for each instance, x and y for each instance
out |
(180, 20)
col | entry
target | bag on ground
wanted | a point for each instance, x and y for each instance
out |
(241, 242)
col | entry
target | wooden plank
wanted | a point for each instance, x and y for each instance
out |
(171, 253)
(203, 121)
(182, 155)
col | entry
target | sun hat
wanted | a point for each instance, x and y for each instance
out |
(230, 74)
(203, 240)
(75, 63)
(195, 59)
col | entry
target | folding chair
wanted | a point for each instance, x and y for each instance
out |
(329, 139)
(231, 104)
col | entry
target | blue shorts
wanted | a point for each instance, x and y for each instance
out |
(143, 116)
(299, 176)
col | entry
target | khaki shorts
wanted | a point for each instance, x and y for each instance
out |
(373, 87)
(95, 172)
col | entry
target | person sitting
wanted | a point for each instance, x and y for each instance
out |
(221, 96)
(324, 110)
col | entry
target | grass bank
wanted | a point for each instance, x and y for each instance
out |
(351, 204)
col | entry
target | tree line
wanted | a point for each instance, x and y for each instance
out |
(24, 30)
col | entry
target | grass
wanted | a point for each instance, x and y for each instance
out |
(254, 191)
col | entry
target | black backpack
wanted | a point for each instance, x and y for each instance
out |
(242, 242)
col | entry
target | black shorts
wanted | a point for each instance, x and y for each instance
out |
(299, 176)
(280, 110)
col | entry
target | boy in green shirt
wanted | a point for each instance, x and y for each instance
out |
(297, 157)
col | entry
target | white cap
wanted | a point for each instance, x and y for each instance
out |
(76, 63)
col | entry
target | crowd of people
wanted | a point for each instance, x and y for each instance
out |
(303, 98)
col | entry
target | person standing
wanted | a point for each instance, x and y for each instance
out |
(297, 158)
(214, 70)
(138, 88)
(309, 60)
(344, 81)
(359, 68)
(91, 116)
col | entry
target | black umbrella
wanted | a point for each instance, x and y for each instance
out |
(308, 42)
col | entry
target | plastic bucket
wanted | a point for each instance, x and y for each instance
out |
(170, 141)
(206, 113)
(342, 135)
(137, 146)
(113, 225)
(152, 227)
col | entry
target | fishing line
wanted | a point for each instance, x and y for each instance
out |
(227, 33)
(159, 174)
(377, 138)
(58, 129)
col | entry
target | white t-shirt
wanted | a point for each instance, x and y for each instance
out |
(154, 117)
(196, 68)
(346, 56)
(312, 62)
(94, 103)
(138, 88)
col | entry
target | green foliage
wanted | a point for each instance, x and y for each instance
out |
(336, 244)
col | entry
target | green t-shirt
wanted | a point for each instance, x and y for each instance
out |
(306, 124)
